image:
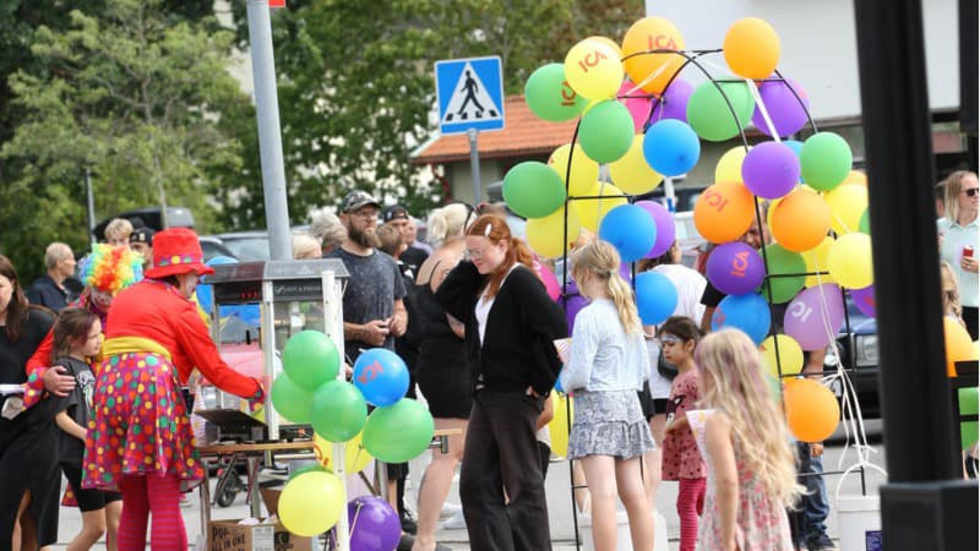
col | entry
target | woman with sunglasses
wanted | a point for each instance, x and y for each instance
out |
(959, 233)
(510, 327)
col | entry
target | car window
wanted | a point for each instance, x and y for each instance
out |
(249, 249)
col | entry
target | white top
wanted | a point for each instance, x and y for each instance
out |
(484, 304)
(690, 286)
(604, 356)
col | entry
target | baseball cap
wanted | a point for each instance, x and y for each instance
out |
(357, 199)
(395, 212)
(142, 235)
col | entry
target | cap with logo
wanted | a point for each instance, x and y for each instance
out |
(357, 199)
(395, 212)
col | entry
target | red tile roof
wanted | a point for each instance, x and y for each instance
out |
(524, 135)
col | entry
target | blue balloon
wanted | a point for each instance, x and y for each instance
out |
(795, 145)
(631, 230)
(656, 297)
(381, 376)
(558, 381)
(748, 313)
(671, 147)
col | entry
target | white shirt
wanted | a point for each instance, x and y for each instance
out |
(690, 286)
(484, 304)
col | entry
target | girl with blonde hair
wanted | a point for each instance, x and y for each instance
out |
(746, 445)
(606, 367)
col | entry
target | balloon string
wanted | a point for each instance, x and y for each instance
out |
(763, 110)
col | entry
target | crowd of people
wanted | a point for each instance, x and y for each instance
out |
(101, 370)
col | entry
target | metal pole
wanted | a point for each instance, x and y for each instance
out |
(91, 206)
(475, 165)
(270, 139)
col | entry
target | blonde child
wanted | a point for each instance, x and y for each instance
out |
(607, 365)
(682, 462)
(77, 340)
(951, 292)
(746, 446)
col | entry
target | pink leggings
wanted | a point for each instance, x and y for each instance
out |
(159, 495)
(690, 505)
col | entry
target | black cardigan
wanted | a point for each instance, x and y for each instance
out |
(518, 349)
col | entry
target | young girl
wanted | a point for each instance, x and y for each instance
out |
(746, 445)
(951, 293)
(682, 462)
(78, 339)
(607, 366)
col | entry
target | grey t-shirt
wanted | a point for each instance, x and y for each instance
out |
(79, 406)
(374, 285)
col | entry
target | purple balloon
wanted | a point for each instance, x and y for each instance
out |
(864, 299)
(573, 303)
(626, 271)
(771, 170)
(673, 104)
(374, 525)
(785, 111)
(807, 313)
(735, 268)
(666, 229)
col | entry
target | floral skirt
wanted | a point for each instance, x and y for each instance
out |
(609, 423)
(140, 424)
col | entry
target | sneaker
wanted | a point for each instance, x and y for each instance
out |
(455, 522)
(408, 524)
(822, 543)
(449, 510)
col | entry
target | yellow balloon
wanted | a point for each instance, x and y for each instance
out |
(311, 503)
(593, 69)
(545, 235)
(856, 177)
(631, 173)
(816, 261)
(790, 355)
(608, 42)
(849, 261)
(592, 211)
(847, 205)
(356, 456)
(585, 171)
(560, 424)
(729, 167)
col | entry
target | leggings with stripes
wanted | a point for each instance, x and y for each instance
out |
(690, 505)
(159, 495)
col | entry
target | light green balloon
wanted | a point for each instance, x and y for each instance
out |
(825, 160)
(864, 226)
(710, 115)
(533, 189)
(968, 434)
(311, 359)
(291, 400)
(398, 433)
(606, 131)
(339, 411)
(550, 97)
(782, 261)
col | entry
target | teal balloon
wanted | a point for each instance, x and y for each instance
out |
(311, 359)
(864, 226)
(339, 411)
(606, 131)
(709, 114)
(398, 433)
(825, 160)
(550, 97)
(291, 400)
(533, 189)
(782, 262)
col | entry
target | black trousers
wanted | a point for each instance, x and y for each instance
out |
(501, 455)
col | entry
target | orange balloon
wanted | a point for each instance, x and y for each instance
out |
(856, 177)
(724, 212)
(652, 33)
(751, 48)
(959, 347)
(812, 411)
(800, 221)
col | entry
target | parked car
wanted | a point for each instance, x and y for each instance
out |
(245, 246)
(858, 350)
(177, 217)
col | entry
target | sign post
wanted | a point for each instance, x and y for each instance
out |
(470, 94)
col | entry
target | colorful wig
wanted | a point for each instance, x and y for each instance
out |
(111, 269)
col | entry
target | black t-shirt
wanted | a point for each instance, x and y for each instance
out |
(413, 257)
(78, 404)
(711, 296)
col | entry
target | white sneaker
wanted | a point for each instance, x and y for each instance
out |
(455, 522)
(450, 509)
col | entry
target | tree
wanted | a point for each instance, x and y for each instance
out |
(135, 94)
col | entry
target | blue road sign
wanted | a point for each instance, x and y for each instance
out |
(470, 93)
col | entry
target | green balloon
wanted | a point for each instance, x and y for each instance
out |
(968, 434)
(307, 469)
(864, 226)
(291, 400)
(339, 411)
(825, 160)
(969, 401)
(311, 359)
(550, 97)
(782, 261)
(606, 131)
(400, 432)
(709, 114)
(533, 189)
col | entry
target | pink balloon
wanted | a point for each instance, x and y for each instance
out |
(666, 230)
(638, 103)
(548, 278)
(805, 316)
(864, 299)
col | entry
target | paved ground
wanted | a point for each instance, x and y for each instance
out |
(559, 503)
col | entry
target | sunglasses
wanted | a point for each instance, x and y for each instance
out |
(669, 339)
(972, 192)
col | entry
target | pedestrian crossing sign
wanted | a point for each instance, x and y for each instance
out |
(470, 93)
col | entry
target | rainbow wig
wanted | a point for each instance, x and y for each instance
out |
(111, 269)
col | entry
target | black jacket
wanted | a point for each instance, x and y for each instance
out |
(45, 292)
(518, 349)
